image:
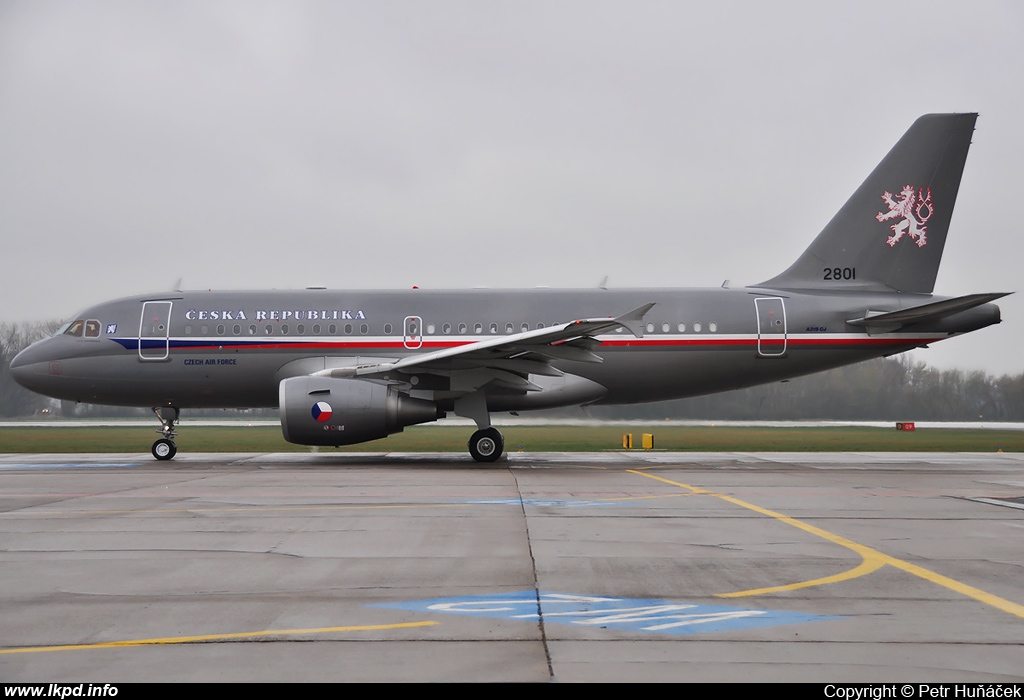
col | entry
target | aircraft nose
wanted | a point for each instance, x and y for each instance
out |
(20, 361)
(29, 365)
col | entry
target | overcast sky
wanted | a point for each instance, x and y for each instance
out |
(458, 144)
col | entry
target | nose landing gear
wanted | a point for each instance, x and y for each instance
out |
(164, 448)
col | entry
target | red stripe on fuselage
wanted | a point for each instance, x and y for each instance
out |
(625, 343)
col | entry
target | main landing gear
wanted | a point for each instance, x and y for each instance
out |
(164, 448)
(486, 445)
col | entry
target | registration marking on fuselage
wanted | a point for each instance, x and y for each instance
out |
(607, 612)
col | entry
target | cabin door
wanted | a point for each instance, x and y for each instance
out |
(771, 326)
(154, 330)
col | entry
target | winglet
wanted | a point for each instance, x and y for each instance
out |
(634, 320)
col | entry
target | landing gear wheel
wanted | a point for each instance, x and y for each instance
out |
(486, 445)
(164, 449)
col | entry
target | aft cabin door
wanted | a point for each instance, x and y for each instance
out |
(771, 326)
(154, 330)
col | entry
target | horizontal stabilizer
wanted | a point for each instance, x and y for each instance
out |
(925, 312)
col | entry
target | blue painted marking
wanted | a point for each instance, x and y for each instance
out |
(628, 614)
(554, 502)
(70, 465)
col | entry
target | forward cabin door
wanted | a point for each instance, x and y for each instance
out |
(155, 330)
(771, 326)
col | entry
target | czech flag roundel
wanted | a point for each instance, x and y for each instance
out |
(322, 411)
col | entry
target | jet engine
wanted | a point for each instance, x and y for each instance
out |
(327, 411)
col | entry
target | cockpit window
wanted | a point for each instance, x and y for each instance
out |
(76, 328)
(92, 329)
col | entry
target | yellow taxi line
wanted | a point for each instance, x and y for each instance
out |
(872, 558)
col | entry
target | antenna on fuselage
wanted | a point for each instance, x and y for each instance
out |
(177, 285)
(604, 283)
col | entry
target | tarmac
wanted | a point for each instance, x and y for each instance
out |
(613, 566)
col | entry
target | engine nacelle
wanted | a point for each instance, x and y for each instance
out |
(326, 411)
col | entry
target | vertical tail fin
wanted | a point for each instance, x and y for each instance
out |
(890, 234)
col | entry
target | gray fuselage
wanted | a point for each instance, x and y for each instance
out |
(232, 349)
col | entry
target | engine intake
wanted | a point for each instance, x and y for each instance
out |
(327, 411)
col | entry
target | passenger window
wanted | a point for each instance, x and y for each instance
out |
(508, 327)
(220, 329)
(446, 328)
(300, 329)
(387, 329)
(478, 329)
(494, 328)
(252, 329)
(332, 329)
(188, 330)
(348, 329)
(237, 329)
(205, 330)
(696, 328)
(650, 327)
(682, 327)
(284, 329)
(462, 328)
(525, 327)
(316, 329)
(268, 329)
(430, 328)
(364, 329)
(664, 328)
(713, 327)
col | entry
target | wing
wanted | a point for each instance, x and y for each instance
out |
(507, 359)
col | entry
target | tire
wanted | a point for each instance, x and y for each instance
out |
(164, 449)
(486, 445)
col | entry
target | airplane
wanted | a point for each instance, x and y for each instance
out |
(346, 367)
